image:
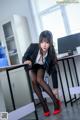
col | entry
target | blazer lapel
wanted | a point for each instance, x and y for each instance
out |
(35, 53)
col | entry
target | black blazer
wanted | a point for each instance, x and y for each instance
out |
(32, 52)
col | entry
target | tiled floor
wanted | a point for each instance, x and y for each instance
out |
(67, 113)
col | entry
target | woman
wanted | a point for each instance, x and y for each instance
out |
(41, 57)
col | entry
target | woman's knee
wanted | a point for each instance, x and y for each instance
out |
(39, 79)
(33, 77)
(40, 75)
(34, 80)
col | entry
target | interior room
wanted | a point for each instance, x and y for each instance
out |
(21, 22)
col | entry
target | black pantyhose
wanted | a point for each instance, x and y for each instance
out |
(38, 83)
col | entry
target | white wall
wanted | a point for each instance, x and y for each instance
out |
(21, 7)
(2, 102)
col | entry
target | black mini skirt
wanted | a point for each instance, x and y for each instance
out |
(37, 66)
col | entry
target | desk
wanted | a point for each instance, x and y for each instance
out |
(8, 71)
(69, 71)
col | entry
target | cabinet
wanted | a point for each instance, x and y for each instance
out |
(20, 89)
(10, 43)
(15, 36)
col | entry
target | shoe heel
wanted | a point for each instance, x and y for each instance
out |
(46, 113)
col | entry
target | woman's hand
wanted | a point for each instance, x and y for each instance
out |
(28, 62)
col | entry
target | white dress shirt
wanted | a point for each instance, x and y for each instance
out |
(41, 59)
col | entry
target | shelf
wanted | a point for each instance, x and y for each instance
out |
(10, 38)
(14, 38)
(11, 46)
(13, 51)
(10, 42)
(13, 54)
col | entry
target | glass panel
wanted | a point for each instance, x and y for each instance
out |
(14, 59)
(11, 44)
(7, 29)
(54, 23)
(73, 17)
(44, 4)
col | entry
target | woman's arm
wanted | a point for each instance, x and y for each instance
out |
(27, 54)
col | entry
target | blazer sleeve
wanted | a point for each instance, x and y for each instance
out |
(28, 53)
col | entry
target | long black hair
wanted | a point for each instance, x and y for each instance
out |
(47, 35)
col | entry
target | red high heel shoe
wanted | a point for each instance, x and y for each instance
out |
(47, 113)
(57, 110)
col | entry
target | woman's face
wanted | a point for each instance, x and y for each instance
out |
(44, 45)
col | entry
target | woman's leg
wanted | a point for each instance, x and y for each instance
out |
(46, 87)
(37, 90)
(56, 92)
